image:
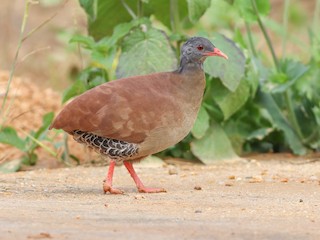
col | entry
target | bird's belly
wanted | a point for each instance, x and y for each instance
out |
(168, 135)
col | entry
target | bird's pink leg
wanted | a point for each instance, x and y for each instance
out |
(140, 186)
(107, 183)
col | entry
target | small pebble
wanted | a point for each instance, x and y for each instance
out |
(139, 197)
(197, 188)
(229, 184)
(238, 179)
(256, 179)
(232, 177)
(221, 182)
(300, 200)
(172, 170)
(313, 178)
(198, 211)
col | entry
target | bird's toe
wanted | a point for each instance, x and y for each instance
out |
(108, 188)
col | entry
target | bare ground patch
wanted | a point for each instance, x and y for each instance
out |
(274, 199)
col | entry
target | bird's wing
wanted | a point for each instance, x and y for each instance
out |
(125, 109)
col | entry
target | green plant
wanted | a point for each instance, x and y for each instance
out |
(27, 145)
(291, 113)
(9, 135)
(249, 104)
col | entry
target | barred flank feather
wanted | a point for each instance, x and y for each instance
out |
(112, 148)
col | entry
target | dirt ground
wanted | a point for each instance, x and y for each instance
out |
(243, 199)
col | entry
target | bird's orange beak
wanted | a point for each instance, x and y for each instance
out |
(216, 52)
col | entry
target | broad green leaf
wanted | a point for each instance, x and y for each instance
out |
(245, 7)
(11, 166)
(8, 135)
(236, 132)
(104, 16)
(229, 71)
(307, 120)
(267, 102)
(104, 62)
(94, 77)
(252, 78)
(75, 89)
(230, 102)
(145, 52)
(120, 31)
(86, 41)
(161, 10)
(260, 133)
(264, 7)
(46, 121)
(202, 123)
(215, 145)
(308, 85)
(229, 1)
(197, 8)
(108, 15)
(316, 112)
(89, 6)
(292, 71)
(221, 14)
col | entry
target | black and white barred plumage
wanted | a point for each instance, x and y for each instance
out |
(112, 148)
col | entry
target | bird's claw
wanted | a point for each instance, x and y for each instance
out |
(108, 188)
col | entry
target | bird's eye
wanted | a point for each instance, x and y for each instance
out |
(200, 47)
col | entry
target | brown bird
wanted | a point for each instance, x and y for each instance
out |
(130, 118)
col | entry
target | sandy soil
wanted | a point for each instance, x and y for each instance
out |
(243, 199)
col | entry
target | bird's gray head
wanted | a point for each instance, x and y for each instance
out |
(197, 49)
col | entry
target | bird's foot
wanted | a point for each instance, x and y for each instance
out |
(108, 188)
(151, 190)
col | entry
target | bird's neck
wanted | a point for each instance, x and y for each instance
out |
(191, 78)
(187, 65)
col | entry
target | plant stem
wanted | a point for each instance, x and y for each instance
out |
(266, 36)
(174, 16)
(40, 26)
(140, 9)
(14, 63)
(312, 137)
(291, 114)
(252, 47)
(175, 21)
(129, 10)
(316, 17)
(47, 149)
(285, 26)
(66, 149)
